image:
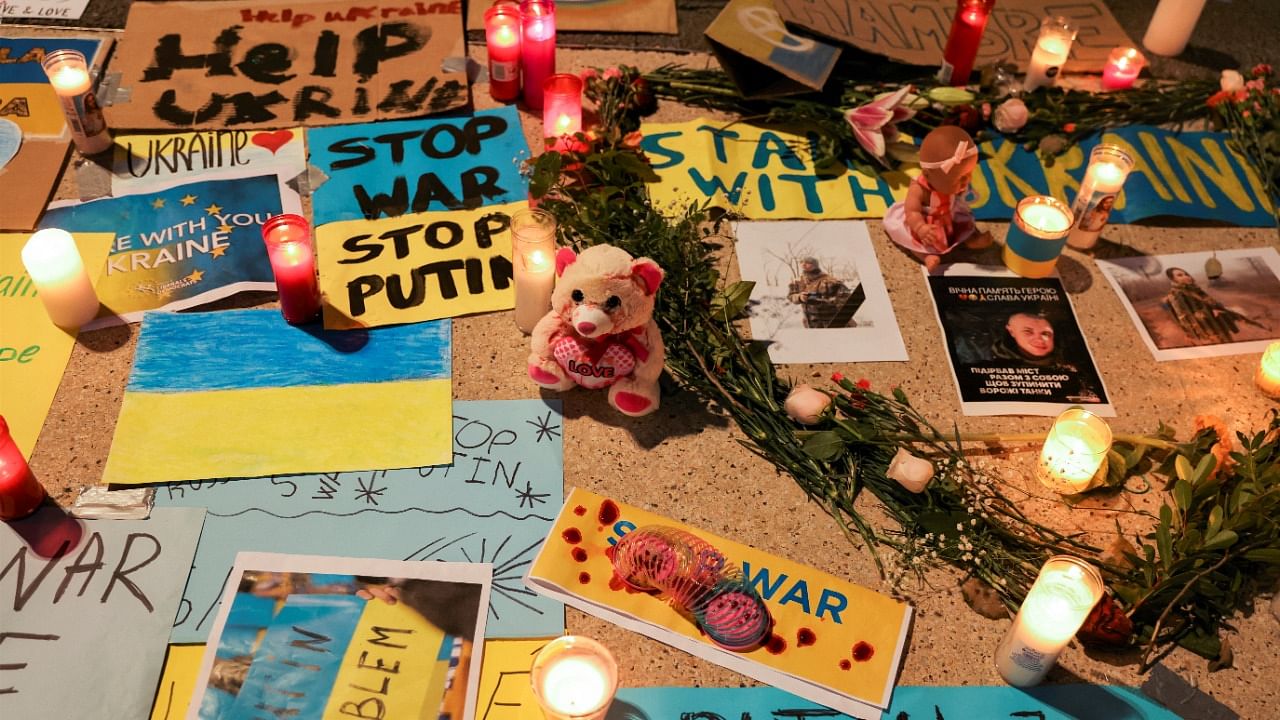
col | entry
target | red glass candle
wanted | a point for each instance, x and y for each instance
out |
(562, 107)
(293, 260)
(1122, 68)
(537, 48)
(502, 37)
(962, 43)
(20, 492)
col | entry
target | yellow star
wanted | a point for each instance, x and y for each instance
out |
(225, 228)
(188, 200)
(157, 203)
(219, 250)
(213, 209)
(195, 276)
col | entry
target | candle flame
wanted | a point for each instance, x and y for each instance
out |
(563, 123)
(539, 260)
(1271, 361)
(504, 35)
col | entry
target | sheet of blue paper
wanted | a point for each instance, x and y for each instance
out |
(495, 504)
(84, 634)
(1050, 702)
(409, 166)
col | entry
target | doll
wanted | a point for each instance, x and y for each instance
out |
(934, 218)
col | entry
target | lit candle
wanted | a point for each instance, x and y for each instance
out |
(293, 261)
(1122, 68)
(1052, 48)
(1073, 451)
(1039, 230)
(502, 38)
(1171, 26)
(20, 492)
(1109, 166)
(533, 244)
(562, 108)
(69, 75)
(53, 262)
(1268, 377)
(538, 48)
(1056, 606)
(963, 41)
(574, 678)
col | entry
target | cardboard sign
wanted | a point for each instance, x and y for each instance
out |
(633, 16)
(33, 351)
(762, 57)
(494, 504)
(177, 248)
(915, 31)
(412, 166)
(27, 100)
(89, 602)
(221, 383)
(143, 163)
(1014, 345)
(416, 267)
(769, 174)
(853, 637)
(332, 637)
(282, 63)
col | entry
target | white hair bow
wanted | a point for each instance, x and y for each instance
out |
(964, 150)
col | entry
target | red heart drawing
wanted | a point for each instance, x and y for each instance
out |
(272, 141)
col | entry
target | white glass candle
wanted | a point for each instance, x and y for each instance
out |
(1171, 26)
(533, 249)
(69, 75)
(1268, 377)
(1073, 452)
(53, 262)
(1109, 166)
(574, 678)
(1051, 51)
(1056, 606)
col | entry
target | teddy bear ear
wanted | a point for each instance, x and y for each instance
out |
(648, 273)
(564, 258)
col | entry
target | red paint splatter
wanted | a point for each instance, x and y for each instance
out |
(863, 651)
(610, 551)
(776, 644)
(584, 578)
(805, 637)
(573, 536)
(609, 513)
(580, 510)
(579, 554)
(845, 664)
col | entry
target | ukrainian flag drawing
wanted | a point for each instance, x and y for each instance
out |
(241, 393)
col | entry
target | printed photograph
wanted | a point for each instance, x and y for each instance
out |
(1202, 304)
(819, 295)
(303, 636)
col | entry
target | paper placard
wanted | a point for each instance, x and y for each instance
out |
(763, 58)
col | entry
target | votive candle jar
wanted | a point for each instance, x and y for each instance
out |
(1109, 167)
(1050, 54)
(1036, 236)
(1057, 604)
(69, 75)
(293, 262)
(1074, 451)
(574, 678)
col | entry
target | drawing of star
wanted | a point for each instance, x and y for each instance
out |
(195, 276)
(157, 203)
(225, 228)
(213, 209)
(368, 493)
(219, 251)
(530, 495)
(188, 200)
(544, 428)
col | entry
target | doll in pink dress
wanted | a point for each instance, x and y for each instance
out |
(934, 218)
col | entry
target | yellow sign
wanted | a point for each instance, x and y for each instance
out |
(177, 682)
(505, 690)
(416, 267)
(33, 351)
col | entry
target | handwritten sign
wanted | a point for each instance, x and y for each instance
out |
(412, 166)
(244, 394)
(33, 351)
(769, 174)
(833, 642)
(44, 9)
(915, 31)
(494, 504)
(143, 163)
(177, 248)
(282, 63)
(90, 601)
(416, 267)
